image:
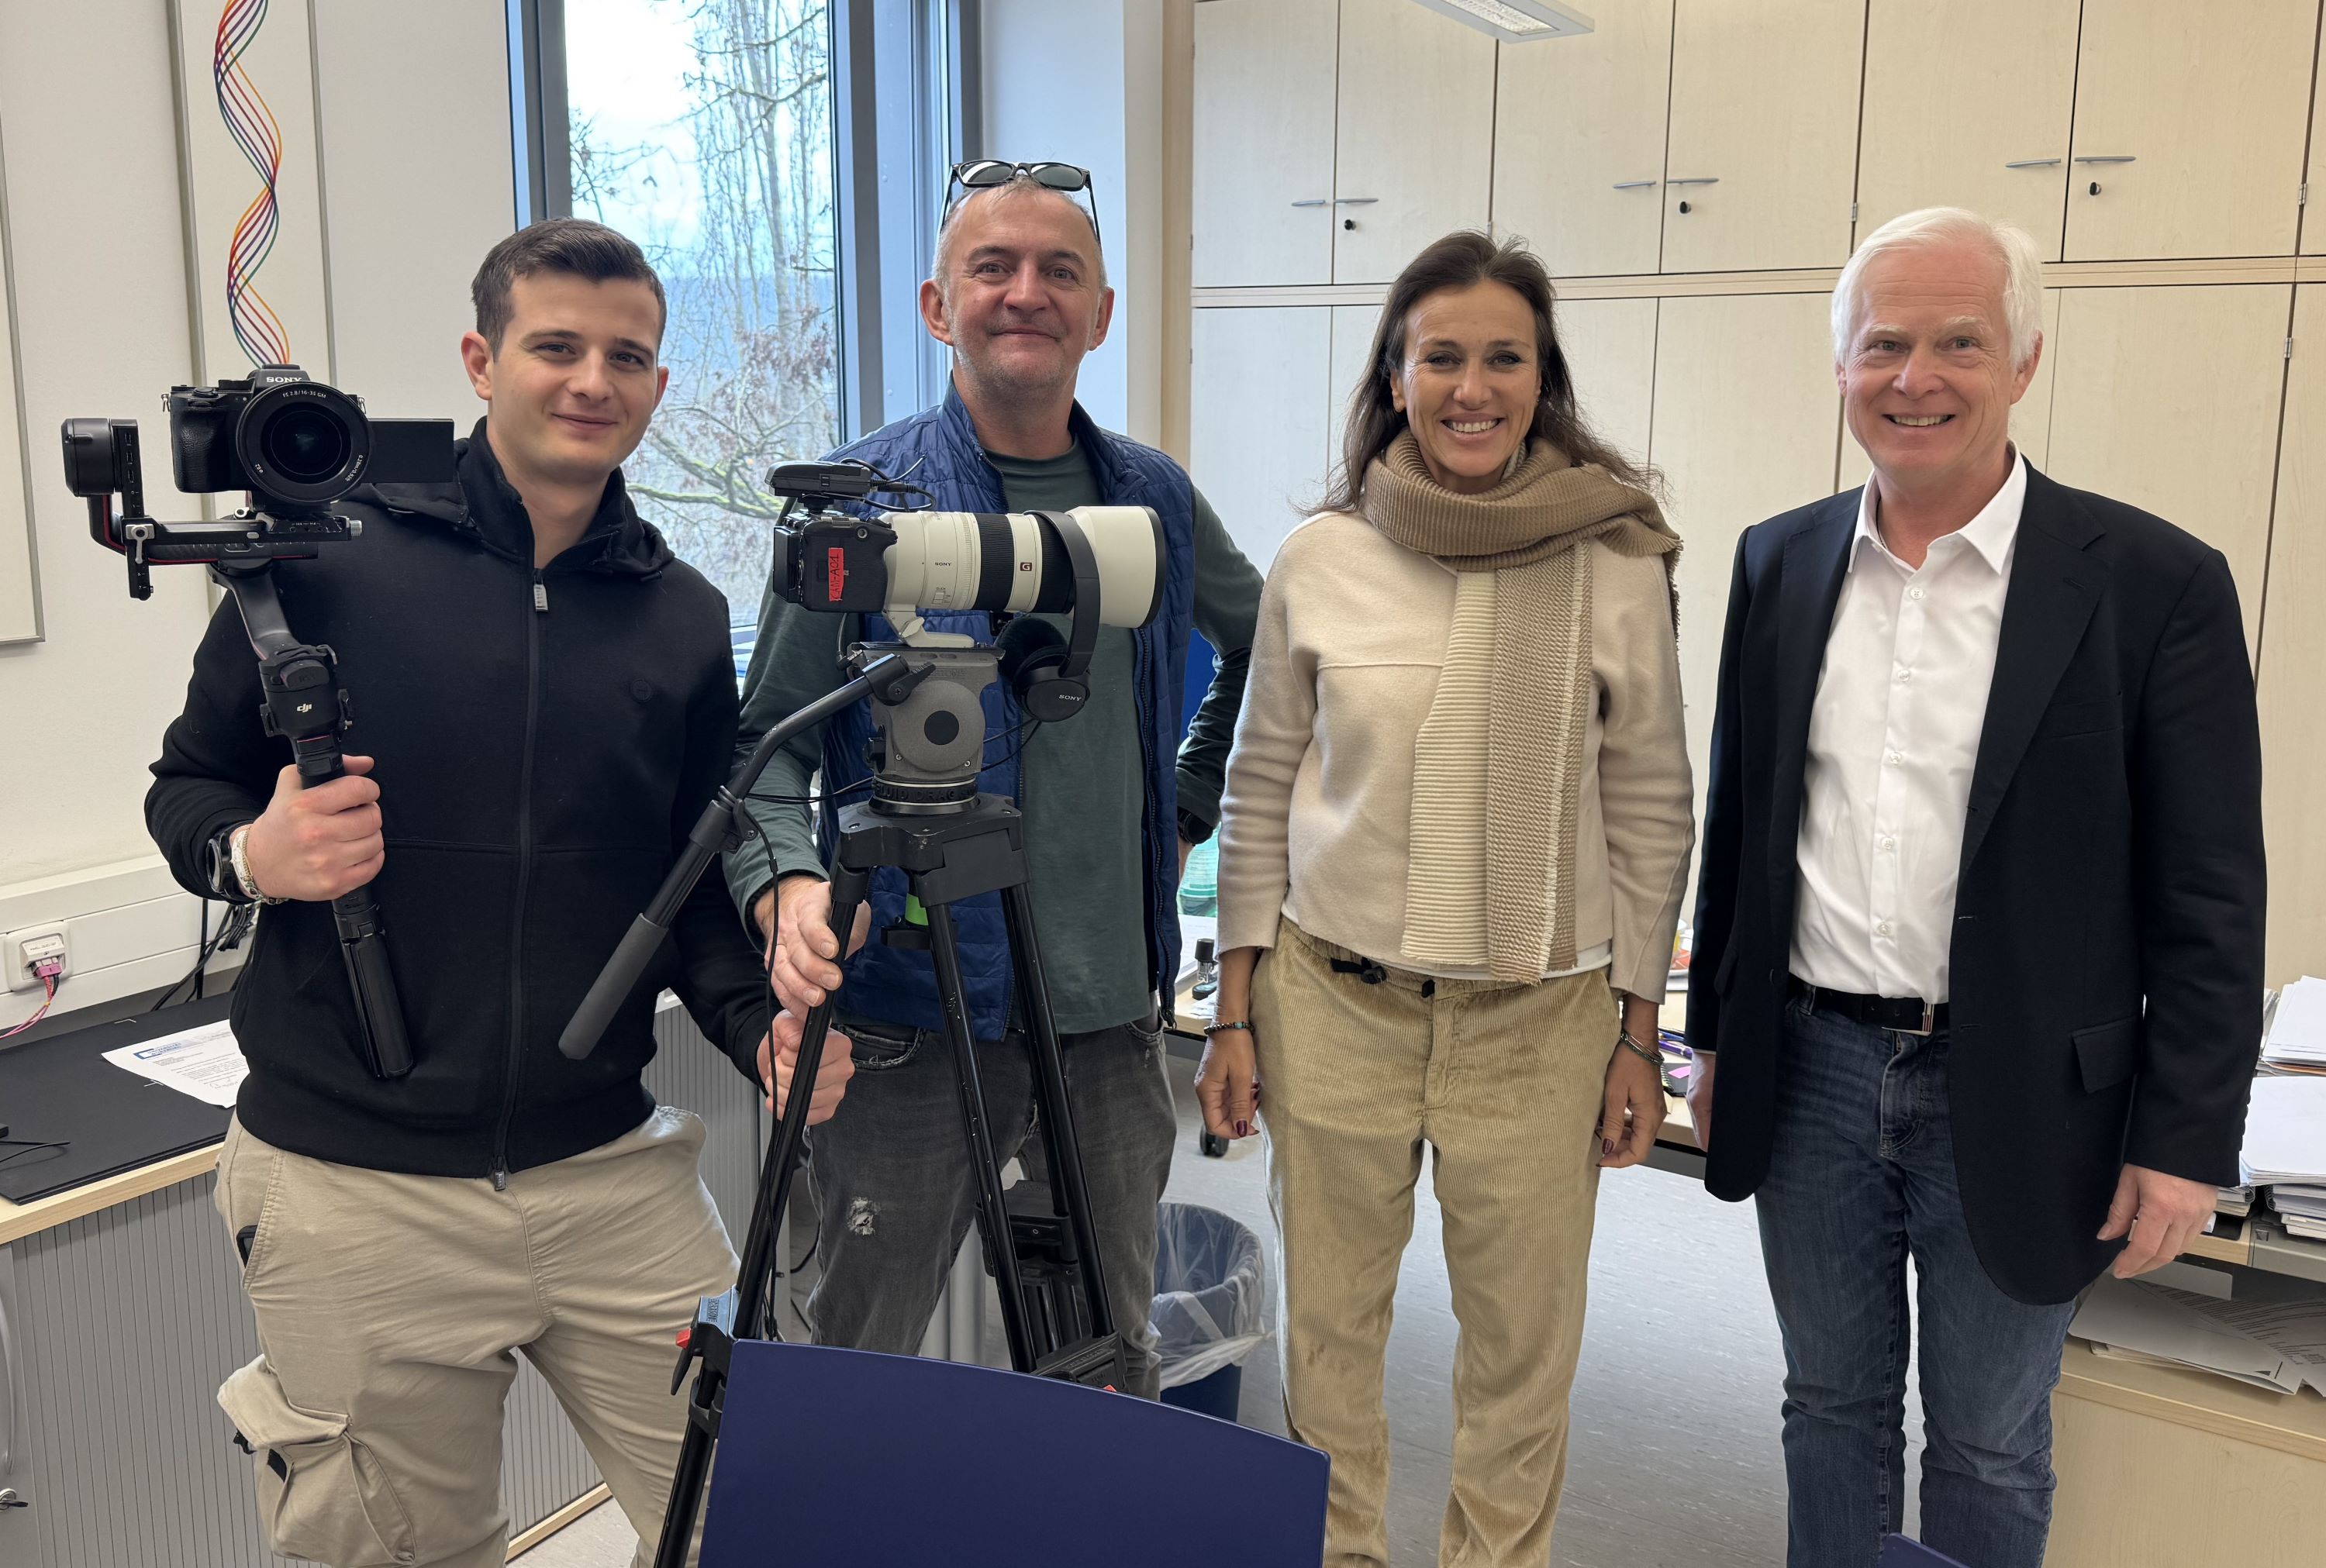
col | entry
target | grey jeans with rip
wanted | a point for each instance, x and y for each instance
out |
(896, 1192)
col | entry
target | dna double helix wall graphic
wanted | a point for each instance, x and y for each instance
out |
(252, 125)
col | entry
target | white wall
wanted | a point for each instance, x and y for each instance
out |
(1080, 81)
(413, 101)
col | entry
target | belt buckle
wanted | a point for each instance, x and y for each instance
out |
(1929, 1022)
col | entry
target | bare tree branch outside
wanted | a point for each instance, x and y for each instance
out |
(704, 130)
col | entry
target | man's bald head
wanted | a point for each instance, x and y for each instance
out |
(1021, 187)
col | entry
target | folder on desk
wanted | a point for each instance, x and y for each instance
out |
(846, 1459)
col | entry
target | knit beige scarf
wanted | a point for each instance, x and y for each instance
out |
(1498, 763)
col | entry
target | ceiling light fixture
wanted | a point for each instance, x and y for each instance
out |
(1516, 21)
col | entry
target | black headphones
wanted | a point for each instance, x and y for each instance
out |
(1047, 672)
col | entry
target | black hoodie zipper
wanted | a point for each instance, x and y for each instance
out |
(537, 606)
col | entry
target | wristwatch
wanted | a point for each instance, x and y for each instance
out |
(230, 869)
(1193, 828)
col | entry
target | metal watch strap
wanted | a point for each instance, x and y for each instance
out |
(249, 883)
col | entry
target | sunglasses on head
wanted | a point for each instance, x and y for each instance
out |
(985, 174)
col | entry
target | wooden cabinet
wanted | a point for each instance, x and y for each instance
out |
(2190, 120)
(2168, 398)
(2294, 662)
(1957, 117)
(1416, 143)
(1610, 347)
(1353, 347)
(1579, 142)
(1256, 419)
(2030, 416)
(1761, 159)
(1745, 415)
(1263, 141)
(2313, 225)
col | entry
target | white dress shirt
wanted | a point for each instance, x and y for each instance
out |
(1901, 703)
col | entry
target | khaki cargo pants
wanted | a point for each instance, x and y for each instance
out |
(1504, 1084)
(390, 1308)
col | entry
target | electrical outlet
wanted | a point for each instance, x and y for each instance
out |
(21, 949)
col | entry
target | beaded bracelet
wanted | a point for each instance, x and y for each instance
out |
(1211, 1029)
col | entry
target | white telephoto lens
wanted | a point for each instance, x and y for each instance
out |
(935, 563)
(1128, 541)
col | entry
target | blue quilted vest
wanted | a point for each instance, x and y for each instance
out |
(938, 450)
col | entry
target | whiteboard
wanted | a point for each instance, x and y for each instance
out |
(20, 582)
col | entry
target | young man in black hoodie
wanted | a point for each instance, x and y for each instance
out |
(544, 700)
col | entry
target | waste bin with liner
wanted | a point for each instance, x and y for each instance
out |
(1211, 1306)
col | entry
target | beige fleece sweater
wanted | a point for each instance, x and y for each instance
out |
(1314, 822)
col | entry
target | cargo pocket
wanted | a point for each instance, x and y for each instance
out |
(323, 1494)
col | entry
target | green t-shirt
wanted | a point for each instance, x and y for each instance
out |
(1083, 791)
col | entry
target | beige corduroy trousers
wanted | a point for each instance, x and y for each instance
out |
(1504, 1083)
(390, 1308)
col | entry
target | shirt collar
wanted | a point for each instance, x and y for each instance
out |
(1991, 533)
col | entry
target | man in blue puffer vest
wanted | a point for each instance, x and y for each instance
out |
(1112, 802)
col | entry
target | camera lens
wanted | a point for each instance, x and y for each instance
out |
(304, 444)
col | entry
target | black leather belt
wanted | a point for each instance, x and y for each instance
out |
(1900, 1014)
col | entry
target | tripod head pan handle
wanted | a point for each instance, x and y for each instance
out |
(612, 988)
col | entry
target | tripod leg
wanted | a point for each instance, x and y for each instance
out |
(1070, 1195)
(992, 1212)
(782, 1164)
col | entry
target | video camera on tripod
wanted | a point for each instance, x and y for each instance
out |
(297, 446)
(838, 552)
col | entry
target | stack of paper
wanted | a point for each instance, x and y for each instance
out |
(2285, 1149)
(2296, 1042)
(2276, 1341)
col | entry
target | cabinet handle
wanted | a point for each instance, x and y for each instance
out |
(1700, 179)
(7, 1386)
(1355, 200)
(1633, 184)
(1315, 201)
(2034, 163)
(2122, 158)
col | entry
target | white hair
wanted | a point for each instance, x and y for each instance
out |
(2013, 247)
(1017, 184)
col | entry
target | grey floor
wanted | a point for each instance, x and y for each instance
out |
(1673, 1462)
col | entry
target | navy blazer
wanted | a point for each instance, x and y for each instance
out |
(2107, 950)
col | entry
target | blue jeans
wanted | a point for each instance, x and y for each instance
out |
(895, 1190)
(1862, 1172)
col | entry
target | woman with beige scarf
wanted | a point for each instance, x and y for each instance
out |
(1453, 844)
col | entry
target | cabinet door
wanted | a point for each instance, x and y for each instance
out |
(2314, 224)
(1416, 133)
(1957, 117)
(1263, 131)
(2168, 399)
(1256, 419)
(1746, 418)
(1352, 346)
(1763, 105)
(2190, 116)
(1579, 142)
(2030, 416)
(1610, 347)
(2294, 662)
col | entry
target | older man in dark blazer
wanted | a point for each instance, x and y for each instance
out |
(1978, 964)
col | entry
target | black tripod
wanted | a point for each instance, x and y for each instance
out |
(952, 844)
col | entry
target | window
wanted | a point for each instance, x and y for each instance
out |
(781, 162)
(704, 130)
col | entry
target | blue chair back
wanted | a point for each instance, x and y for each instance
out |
(844, 1459)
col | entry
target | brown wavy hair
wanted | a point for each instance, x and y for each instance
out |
(1462, 259)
